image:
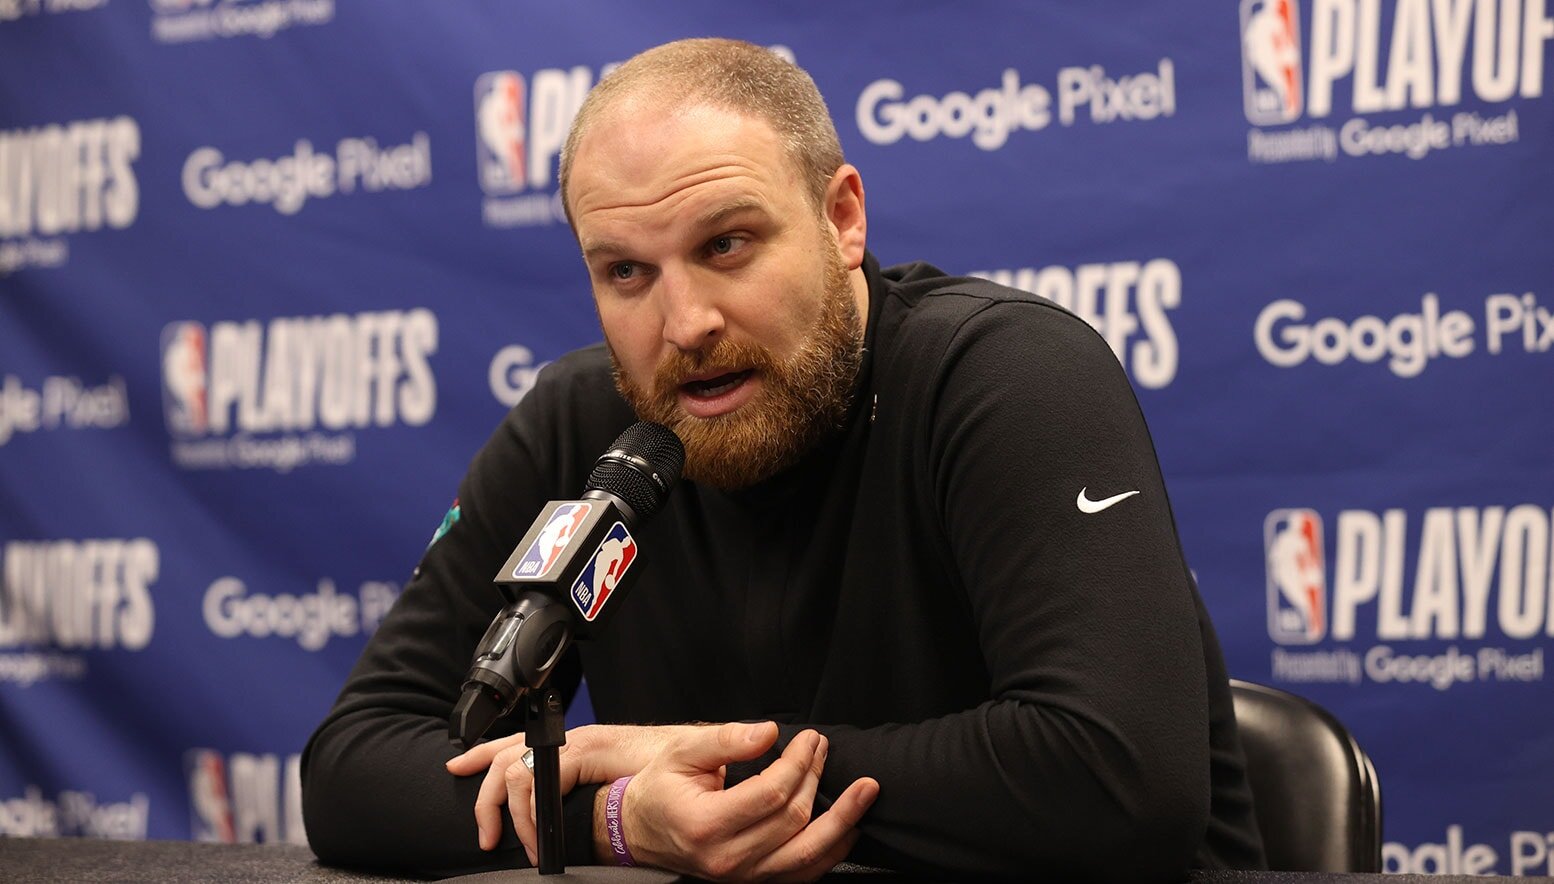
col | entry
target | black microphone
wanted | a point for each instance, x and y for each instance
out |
(567, 576)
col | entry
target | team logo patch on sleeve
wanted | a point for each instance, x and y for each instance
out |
(594, 586)
(448, 521)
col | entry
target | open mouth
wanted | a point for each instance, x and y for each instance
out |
(715, 386)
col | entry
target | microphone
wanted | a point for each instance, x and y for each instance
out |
(566, 576)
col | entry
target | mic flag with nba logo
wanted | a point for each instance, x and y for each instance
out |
(604, 572)
(555, 537)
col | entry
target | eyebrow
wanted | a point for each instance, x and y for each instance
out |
(709, 219)
(720, 214)
(595, 248)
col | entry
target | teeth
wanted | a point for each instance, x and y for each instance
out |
(709, 389)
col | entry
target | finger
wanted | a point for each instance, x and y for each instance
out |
(825, 842)
(492, 795)
(702, 750)
(771, 807)
(811, 781)
(825, 863)
(824, 838)
(520, 791)
(478, 758)
(569, 768)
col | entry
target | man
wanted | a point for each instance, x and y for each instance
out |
(922, 529)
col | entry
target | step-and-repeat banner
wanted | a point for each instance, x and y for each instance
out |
(271, 271)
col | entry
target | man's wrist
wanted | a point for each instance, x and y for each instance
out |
(578, 807)
(601, 839)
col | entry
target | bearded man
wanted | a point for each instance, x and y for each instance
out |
(922, 562)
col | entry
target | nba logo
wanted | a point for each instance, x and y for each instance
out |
(546, 549)
(1297, 585)
(1270, 61)
(604, 572)
(183, 378)
(500, 131)
(210, 809)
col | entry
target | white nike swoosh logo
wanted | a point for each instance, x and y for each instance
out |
(1086, 505)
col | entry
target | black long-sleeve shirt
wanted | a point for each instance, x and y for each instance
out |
(1036, 688)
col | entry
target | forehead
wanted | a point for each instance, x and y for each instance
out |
(637, 160)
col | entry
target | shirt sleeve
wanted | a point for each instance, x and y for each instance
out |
(375, 790)
(1090, 759)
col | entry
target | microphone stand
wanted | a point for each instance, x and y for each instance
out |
(545, 733)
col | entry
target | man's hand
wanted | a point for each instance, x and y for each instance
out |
(676, 814)
(595, 753)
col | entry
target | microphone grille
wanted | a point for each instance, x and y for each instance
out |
(641, 466)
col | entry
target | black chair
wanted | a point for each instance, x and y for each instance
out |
(1314, 789)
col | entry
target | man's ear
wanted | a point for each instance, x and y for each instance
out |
(844, 211)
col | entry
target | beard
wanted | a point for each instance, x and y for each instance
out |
(802, 399)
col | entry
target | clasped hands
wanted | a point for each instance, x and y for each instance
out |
(676, 814)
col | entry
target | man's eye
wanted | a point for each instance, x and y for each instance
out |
(723, 245)
(623, 270)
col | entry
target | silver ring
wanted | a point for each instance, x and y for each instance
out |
(528, 759)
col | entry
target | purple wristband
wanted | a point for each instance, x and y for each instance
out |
(612, 822)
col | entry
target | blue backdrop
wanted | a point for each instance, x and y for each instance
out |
(271, 270)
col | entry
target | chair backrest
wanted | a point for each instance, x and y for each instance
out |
(1314, 789)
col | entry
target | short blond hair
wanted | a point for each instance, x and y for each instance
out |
(729, 74)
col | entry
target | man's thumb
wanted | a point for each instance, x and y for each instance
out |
(709, 748)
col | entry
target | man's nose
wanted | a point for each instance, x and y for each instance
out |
(692, 319)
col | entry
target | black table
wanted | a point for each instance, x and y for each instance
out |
(48, 860)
